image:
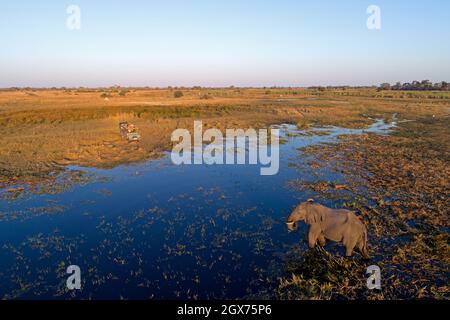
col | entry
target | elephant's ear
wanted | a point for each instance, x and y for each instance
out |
(312, 215)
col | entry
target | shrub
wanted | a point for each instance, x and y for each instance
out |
(178, 94)
(302, 125)
(206, 97)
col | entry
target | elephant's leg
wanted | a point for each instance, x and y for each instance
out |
(363, 249)
(349, 246)
(322, 240)
(314, 232)
(349, 251)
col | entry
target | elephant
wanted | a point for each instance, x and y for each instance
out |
(338, 225)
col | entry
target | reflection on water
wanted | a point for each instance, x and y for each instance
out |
(156, 230)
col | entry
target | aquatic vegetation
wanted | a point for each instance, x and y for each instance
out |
(302, 125)
(31, 213)
(318, 274)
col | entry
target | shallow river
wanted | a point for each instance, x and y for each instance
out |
(156, 230)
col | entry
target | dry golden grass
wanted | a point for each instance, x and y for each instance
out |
(42, 130)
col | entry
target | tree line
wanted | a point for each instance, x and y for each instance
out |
(424, 85)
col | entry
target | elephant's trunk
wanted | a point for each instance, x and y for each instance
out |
(291, 225)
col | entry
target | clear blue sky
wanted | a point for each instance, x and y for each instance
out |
(222, 42)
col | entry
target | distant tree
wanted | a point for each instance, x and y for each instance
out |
(407, 86)
(178, 94)
(426, 85)
(418, 85)
(385, 86)
(397, 86)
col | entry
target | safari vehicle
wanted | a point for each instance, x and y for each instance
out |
(129, 131)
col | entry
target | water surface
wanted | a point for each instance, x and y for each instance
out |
(155, 230)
